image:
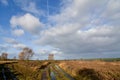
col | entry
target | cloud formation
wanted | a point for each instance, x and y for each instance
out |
(18, 32)
(5, 2)
(10, 40)
(19, 46)
(27, 22)
(74, 29)
(13, 43)
(29, 6)
(84, 26)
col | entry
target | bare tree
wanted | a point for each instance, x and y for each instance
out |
(26, 54)
(0, 58)
(4, 56)
(14, 58)
(21, 56)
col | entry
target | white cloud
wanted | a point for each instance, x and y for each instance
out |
(10, 40)
(14, 43)
(112, 12)
(4, 47)
(55, 52)
(29, 6)
(32, 8)
(41, 51)
(18, 32)
(27, 22)
(78, 11)
(95, 39)
(19, 46)
(80, 27)
(45, 51)
(5, 2)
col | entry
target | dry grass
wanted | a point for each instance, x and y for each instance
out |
(4, 62)
(92, 70)
(28, 70)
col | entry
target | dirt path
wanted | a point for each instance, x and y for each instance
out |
(44, 75)
(54, 72)
(60, 71)
(52, 75)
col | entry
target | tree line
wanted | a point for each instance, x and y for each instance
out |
(25, 54)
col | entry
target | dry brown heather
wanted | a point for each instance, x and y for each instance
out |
(95, 70)
(3, 62)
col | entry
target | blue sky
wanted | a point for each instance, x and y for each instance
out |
(70, 29)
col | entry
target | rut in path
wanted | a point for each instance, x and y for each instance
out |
(44, 75)
(66, 74)
(52, 76)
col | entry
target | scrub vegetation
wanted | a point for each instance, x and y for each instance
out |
(92, 70)
(60, 70)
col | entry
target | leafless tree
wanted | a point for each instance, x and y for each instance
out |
(26, 54)
(21, 56)
(4, 56)
(0, 58)
(14, 58)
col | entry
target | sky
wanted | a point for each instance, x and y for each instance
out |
(69, 29)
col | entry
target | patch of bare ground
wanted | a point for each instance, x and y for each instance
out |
(92, 70)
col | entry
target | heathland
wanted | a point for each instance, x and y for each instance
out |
(60, 70)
